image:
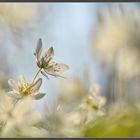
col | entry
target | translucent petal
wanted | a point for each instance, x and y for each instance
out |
(13, 84)
(60, 67)
(8, 129)
(39, 96)
(38, 49)
(48, 54)
(14, 94)
(23, 106)
(53, 73)
(22, 80)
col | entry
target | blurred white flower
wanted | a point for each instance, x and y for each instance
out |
(60, 123)
(17, 118)
(46, 62)
(67, 119)
(72, 91)
(118, 28)
(128, 63)
(18, 14)
(92, 104)
(93, 100)
(23, 88)
(17, 20)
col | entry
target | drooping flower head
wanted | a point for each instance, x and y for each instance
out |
(46, 62)
(23, 88)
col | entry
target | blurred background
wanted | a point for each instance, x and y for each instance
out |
(99, 42)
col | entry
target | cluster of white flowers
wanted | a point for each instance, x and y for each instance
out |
(116, 44)
(75, 108)
(18, 119)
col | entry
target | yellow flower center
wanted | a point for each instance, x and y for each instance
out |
(91, 104)
(25, 89)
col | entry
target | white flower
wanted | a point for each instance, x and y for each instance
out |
(72, 92)
(20, 13)
(117, 29)
(46, 63)
(93, 99)
(61, 123)
(92, 105)
(67, 119)
(22, 88)
(17, 118)
(130, 66)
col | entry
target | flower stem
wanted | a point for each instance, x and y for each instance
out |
(36, 74)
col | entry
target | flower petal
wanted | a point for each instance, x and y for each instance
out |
(22, 80)
(39, 96)
(23, 106)
(42, 72)
(60, 67)
(38, 49)
(49, 53)
(53, 73)
(13, 95)
(13, 84)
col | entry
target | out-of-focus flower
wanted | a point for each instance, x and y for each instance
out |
(46, 62)
(17, 20)
(117, 29)
(128, 63)
(92, 104)
(18, 14)
(116, 41)
(23, 88)
(58, 122)
(72, 92)
(93, 100)
(122, 120)
(17, 118)
(68, 118)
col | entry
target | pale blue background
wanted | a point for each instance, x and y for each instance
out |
(68, 28)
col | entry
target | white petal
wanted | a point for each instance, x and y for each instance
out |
(39, 96)
(13, 94)
(22, 80)
(8, 129)
(23, 106)
(31, 118)
(48, 55)
(102, 101)
(13, 84)
(38, 49)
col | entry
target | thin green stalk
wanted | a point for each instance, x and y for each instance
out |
(36, 74)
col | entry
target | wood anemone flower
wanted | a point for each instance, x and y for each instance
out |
(45, 61)
(23, 88)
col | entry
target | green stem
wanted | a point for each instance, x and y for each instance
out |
(36, 74)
